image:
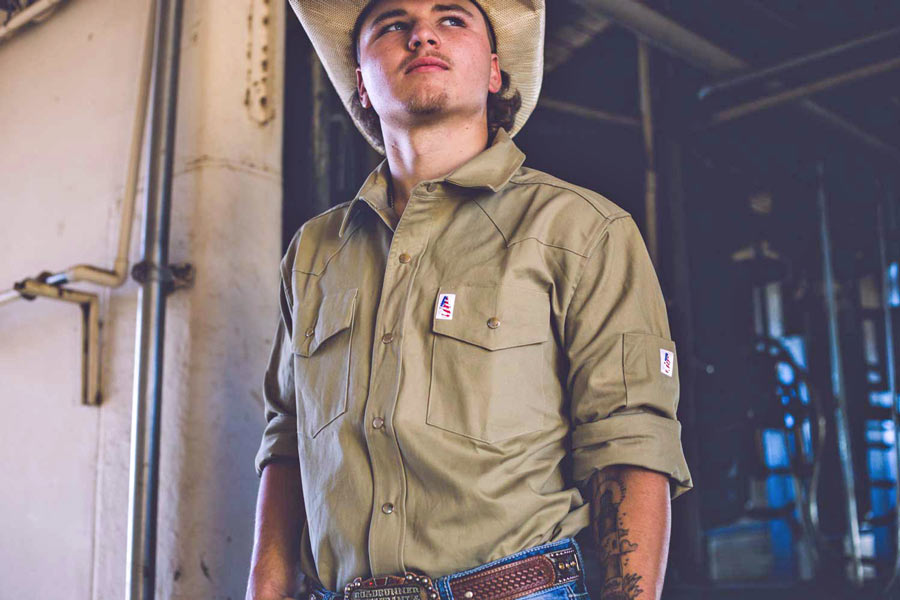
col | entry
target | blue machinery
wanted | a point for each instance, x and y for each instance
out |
(783, 503)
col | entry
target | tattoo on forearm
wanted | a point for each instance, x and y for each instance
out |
(607, 491)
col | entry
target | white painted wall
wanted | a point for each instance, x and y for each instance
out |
(67, 97)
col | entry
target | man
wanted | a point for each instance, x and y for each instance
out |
(473, 360)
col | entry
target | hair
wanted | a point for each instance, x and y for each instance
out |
(501, 108)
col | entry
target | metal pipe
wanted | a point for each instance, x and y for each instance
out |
(646, 99)
(679, 41)
(119, 273)
(802, 91)
(36, 12)
(148, 368)
(116, 276)
(588, 113)
(774, 70)
(891, 373)
(667, 35)
(845, 453)
(90, 330)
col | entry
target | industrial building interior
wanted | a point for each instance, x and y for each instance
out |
(756, 143)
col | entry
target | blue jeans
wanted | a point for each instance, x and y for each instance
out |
(574, 590)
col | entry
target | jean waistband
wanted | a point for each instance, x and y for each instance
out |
(442, 583)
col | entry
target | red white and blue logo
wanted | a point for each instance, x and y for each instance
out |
(445, 306)
(666, 361)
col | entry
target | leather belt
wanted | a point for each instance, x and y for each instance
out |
(508, 581)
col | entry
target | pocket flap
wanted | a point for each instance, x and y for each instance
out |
(312, 326)
(522, 315)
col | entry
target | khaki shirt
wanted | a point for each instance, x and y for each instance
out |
(447, 380)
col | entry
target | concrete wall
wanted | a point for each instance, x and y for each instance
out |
(67, 96)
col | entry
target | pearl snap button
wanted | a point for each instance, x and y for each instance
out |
(387, 508)
(310, 332)
(405, 258)
(377, 422)
(387, 338)
(431, 187)
(493, 323)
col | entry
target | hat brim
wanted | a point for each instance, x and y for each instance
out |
(518, 25)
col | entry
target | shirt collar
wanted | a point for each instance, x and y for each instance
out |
(490, 169)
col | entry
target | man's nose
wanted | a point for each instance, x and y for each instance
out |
(423, 33)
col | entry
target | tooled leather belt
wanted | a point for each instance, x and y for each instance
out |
(508, 581)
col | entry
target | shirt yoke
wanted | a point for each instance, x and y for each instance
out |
(317, 241)
(554, 212)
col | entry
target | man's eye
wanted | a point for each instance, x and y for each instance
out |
(400, 25)
(393, 26)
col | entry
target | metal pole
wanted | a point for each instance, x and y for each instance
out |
(891, 371)
(147, 400)
(802, 91)
(768, 72)
(585, 112)
(36, 11)
(646, 99)
(845, 453)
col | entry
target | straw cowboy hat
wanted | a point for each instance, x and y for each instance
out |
(518, 28)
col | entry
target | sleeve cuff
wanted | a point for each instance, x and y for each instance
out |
(640, 438)
(278, 442)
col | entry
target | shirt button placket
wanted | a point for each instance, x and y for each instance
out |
(386, 530)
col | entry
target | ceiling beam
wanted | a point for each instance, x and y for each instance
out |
(673, 38)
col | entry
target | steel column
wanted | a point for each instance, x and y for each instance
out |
(845, 453)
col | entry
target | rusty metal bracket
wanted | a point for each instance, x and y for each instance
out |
(31, 288)
(259, 97)
(174, 276)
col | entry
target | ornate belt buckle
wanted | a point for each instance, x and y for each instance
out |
(409, 586)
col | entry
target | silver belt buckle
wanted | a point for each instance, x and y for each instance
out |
(409, 586)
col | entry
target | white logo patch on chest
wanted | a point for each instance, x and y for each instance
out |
(445, 306)
(666, 362)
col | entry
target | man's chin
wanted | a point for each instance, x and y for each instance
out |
(425, 101)
(427, 104)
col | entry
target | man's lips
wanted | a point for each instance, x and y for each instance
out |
(427, 64)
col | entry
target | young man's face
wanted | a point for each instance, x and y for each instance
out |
(452, 34)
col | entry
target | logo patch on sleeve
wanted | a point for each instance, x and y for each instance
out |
(445, 306)
(666, 362)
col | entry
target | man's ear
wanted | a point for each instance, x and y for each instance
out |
(361, 90)
(496, 81)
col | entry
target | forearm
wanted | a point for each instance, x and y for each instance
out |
(279, 517)
(630, 524)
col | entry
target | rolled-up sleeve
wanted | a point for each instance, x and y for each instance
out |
(279, 440)
(623, 367)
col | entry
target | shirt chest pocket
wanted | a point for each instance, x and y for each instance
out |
(320, 342)
(489, 361)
